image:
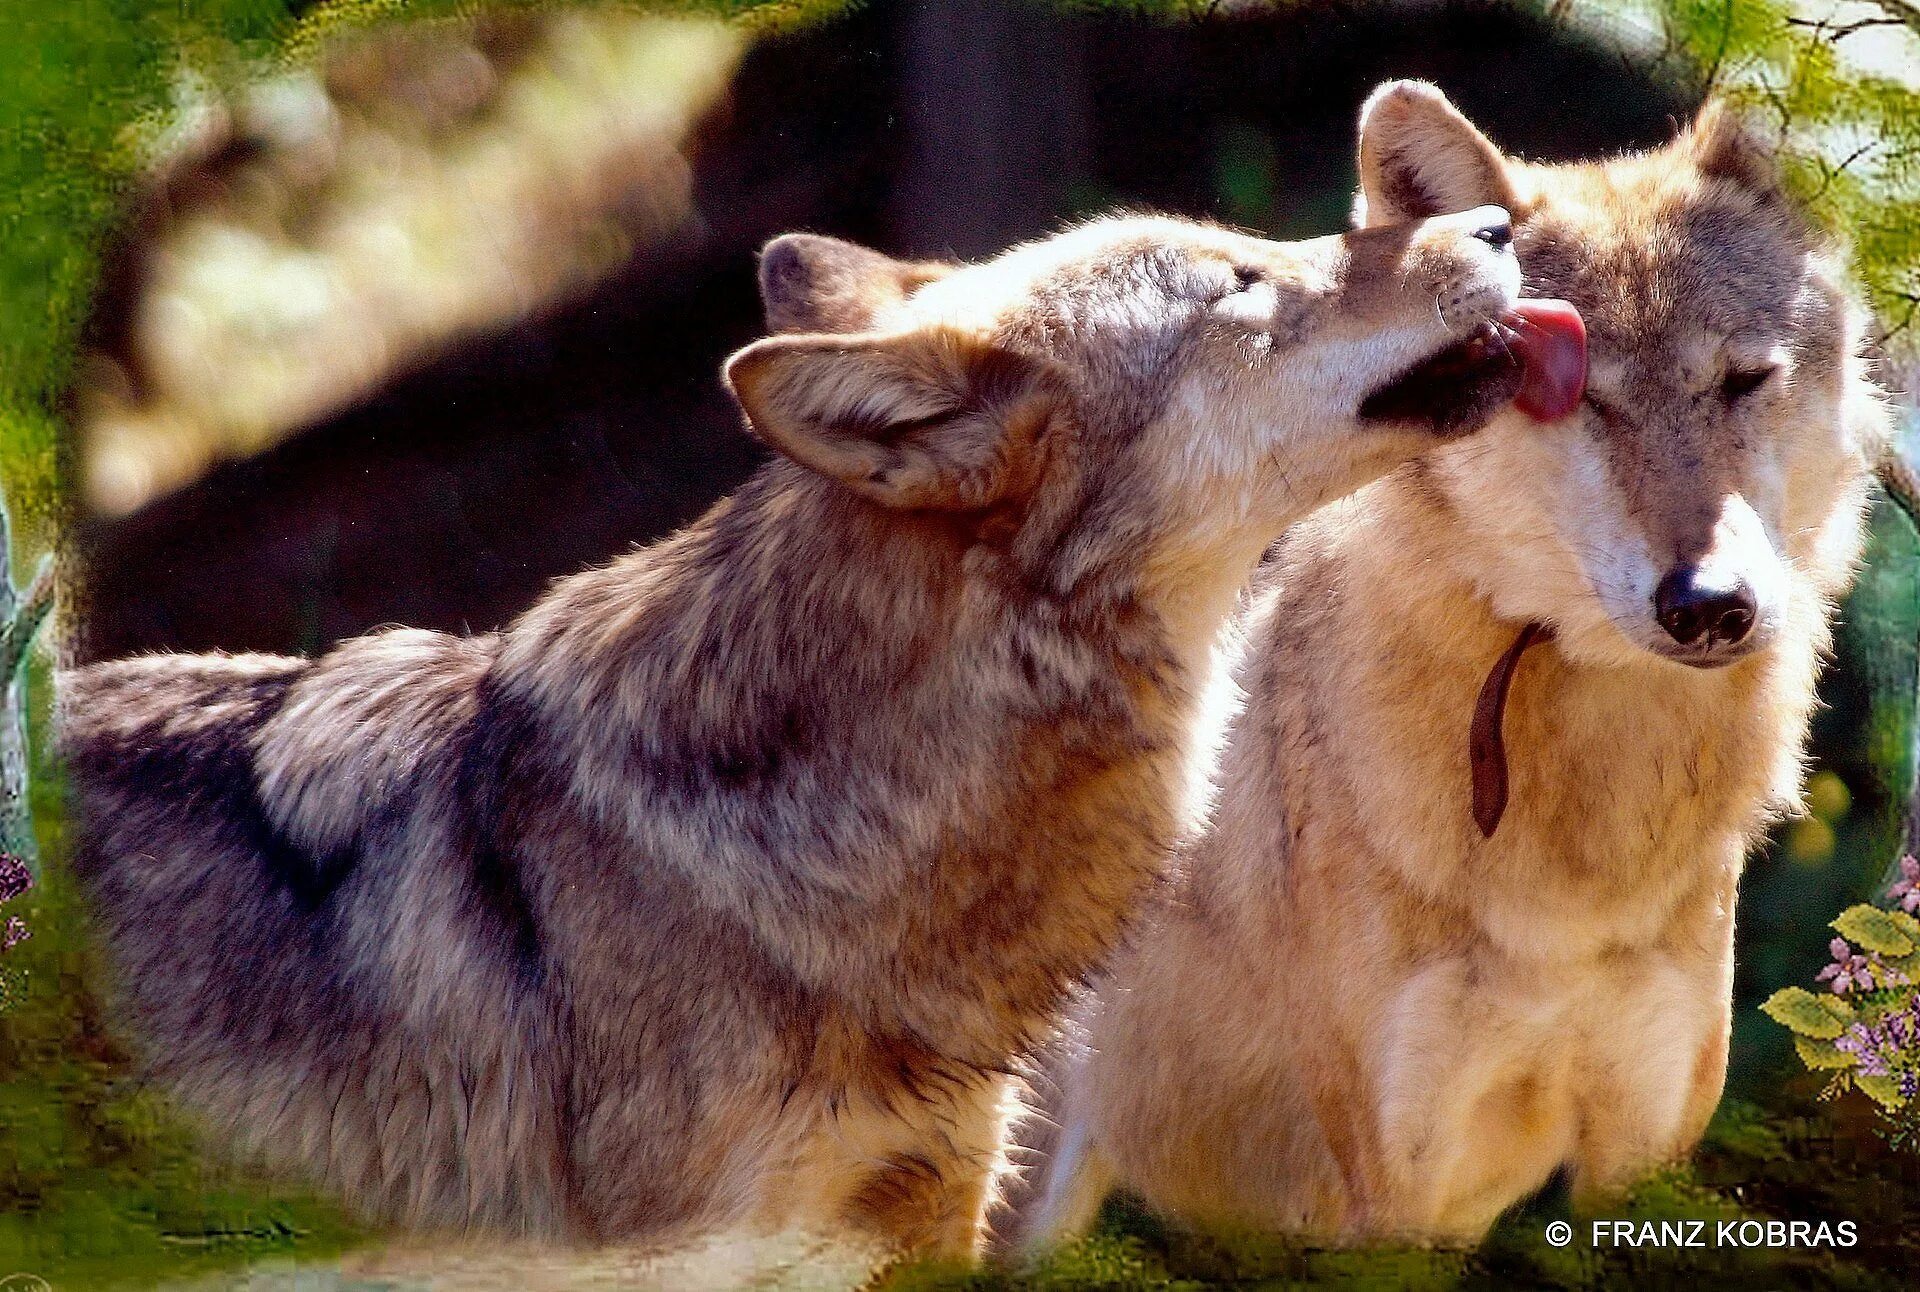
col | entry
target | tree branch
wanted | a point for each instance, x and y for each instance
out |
(1906, 319)
(1828, 28)
(16, 636)
(1904, 12)
(1829, 173)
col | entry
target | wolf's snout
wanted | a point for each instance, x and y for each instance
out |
(1697, 609)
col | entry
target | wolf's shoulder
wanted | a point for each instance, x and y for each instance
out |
(362, 727)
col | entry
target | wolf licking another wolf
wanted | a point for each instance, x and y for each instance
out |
(724, 886)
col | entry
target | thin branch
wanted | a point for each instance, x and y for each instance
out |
(1829, 173)
(1904, 12)
(1826, 28)
(16, 637)
(1720, 54)
(1906, 320)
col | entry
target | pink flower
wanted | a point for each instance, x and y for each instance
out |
(15, 879)
(1906, 889)
(1847, 971)
(1888, 1048)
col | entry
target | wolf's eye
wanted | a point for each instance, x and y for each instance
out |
(1744, 381)
(1244, 277)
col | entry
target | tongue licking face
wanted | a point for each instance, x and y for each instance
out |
(1552, 342)
(1534, 356)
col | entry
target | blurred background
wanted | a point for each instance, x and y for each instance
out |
(400, 320)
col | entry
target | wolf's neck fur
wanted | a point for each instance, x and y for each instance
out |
(1635, 791)
(868, 737)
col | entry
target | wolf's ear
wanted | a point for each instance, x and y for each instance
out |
(811, 283)
(925, 419)
(1419, 157)
(1726, 145)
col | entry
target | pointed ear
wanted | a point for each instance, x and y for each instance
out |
(810, 283)
(1725, 145)
(925, 419)
(1419, 157)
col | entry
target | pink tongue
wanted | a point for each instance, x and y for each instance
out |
(1553, 344)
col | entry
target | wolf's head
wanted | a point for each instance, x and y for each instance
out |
(1136, 384)
(1718, 463)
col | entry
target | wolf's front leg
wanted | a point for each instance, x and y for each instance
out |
(1650, 1103)
(929, 1201)
(1469, 1108)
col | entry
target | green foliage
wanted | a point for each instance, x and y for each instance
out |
(1851, 137)
(1882, 1090)
(1799, 1009)
(1886, 933)
(1869, 1041)
(1820, 1056)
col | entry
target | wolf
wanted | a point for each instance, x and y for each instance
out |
(1515, 714)
(723, 887)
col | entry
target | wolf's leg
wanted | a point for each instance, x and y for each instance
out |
(1076, 1181)
(1709, 1079)
(1652, 1114)
(1666, 1061)
(1446, 1124)
(1344, 1105)
(928, 1197)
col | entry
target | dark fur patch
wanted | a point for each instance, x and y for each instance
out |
(310, 879)
(212, 773)
(499, 768)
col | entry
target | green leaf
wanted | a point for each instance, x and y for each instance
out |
(1799, 1009)
(1835, 1006)
(1821, 1056)
(1874, 929)
(1883, 1090)
(1908, 965)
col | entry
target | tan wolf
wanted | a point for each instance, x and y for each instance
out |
(1413, 970)
(722, 888)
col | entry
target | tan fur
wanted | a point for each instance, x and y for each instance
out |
(724, 886)
(1354, 1016)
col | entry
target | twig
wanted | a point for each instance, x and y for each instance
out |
(16, 636)
(1826, 28)
(1904, 12)
(1831, 173)
(1906, 320)
(1720, 54)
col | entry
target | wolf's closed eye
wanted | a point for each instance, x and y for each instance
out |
(1744, 381)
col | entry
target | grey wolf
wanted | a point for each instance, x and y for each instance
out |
(1361, 1012)
(723, 887)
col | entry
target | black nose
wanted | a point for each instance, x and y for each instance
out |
(1498, 235)
(1691, 606)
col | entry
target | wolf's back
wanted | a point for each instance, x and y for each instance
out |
(160, 748)
(265, 842)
